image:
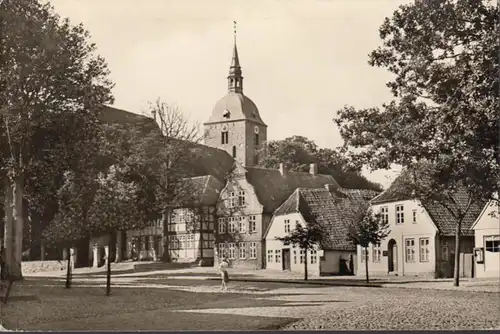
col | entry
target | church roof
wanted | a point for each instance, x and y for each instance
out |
(273, 188)
(239, 106)
(201, 160)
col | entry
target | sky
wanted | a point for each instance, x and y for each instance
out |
(302, 60)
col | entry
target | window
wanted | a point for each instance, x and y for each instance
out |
(410, 250)
(231, 225)
(414, 216)
(492, 243)
(222, 250)
(269, 256)
(242, 227)
(234, 151)
(241, 198)
(376, 253)
(302, 254)
(384, 214)
(222, 225)
(208, 240)
(256, 159)
(256, 139)
(232, 251)
(243, 250)
(278, 256)
(252, 224)
(424, 249)
(224, 137)
(287, 225)
(294, 256)
(314, 256)
(253, 250)
(231, 200)
(364, 253)
(444, 253)
(400, 218)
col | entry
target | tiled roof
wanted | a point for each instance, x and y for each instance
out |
(441, 217)
(446, 223)
(199, 190)
(331, 210)
(273, 188)
(200, 160)
(395, 191)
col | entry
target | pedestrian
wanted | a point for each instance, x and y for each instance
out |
(224, 275)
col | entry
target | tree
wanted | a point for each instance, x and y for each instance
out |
(307, 238)
(365, 229)
(444, 56)
(114, 208)
(52, 86)
(298, 152)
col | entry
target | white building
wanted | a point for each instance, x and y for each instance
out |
(421, 240)
(328, 208)
(487, 241)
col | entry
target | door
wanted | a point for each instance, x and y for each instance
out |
(286, 259)
(392, 256)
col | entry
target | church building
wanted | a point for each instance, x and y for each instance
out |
(235, 125)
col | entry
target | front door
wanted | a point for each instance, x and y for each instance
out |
(286, 259)
(392, 256)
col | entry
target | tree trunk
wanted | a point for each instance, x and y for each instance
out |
(305, 264)
(9, 225)
(456, 271)
(366, 265)
(17, 247)
(108, 271)
(68, 270)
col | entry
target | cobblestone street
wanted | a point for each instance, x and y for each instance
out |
(195, 305)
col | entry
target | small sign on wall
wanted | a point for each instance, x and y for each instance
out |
(385, 253)
(478, 254)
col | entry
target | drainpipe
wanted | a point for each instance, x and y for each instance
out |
(403, 258)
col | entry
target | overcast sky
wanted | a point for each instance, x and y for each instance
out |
(301, 60)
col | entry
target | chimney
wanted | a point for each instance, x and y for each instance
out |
(313, 169)
(282, 169)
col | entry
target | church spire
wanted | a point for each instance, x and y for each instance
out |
(235, 79)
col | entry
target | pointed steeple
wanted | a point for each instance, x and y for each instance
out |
(235, 79)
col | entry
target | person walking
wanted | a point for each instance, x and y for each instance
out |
(224, 275)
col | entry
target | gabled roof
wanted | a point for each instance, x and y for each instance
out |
(199, 190)
(331, 210)
(446, 223)
(442, 218)
(394, 193)
(273, 188)
(488, 205)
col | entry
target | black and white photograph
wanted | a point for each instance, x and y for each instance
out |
(230, 165)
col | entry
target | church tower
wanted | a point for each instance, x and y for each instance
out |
(235, 125)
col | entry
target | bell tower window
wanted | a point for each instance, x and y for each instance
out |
(234, 151)
(256, 139)
(224, 137)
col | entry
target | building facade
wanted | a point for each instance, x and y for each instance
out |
(487, 241)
